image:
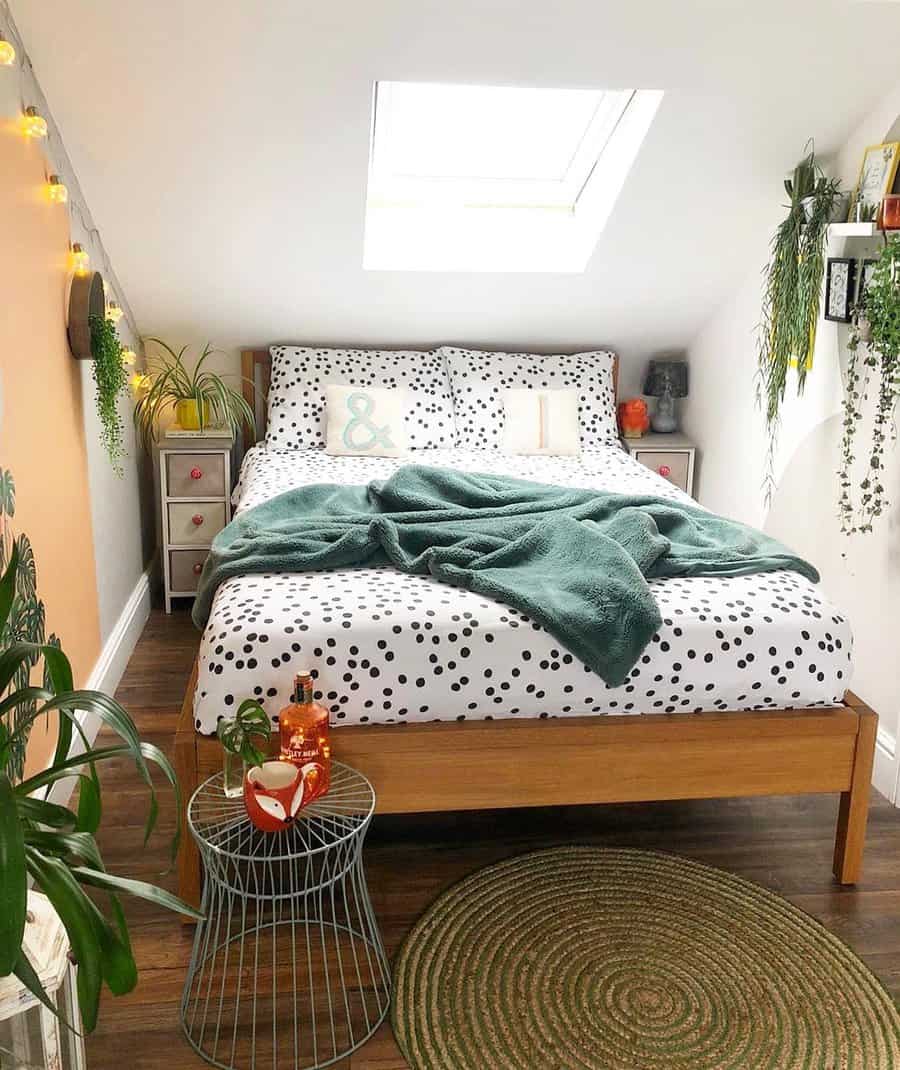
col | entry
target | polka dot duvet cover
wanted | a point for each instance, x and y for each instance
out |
(387, 647)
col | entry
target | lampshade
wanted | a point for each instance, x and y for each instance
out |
(666, 376)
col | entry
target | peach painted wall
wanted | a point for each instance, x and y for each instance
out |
(41, 425)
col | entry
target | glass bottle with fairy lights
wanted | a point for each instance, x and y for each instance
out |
(303, 725)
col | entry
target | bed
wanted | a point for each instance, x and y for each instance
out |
(742, 690)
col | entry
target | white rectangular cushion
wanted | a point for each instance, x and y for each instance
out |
(365, 422)
(300, 375)
(543, 422)
(478, 413)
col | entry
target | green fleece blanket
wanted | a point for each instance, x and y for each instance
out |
(575, 561)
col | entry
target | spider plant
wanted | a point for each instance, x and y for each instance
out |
(171, 385)
(55, 846)
(792, 293)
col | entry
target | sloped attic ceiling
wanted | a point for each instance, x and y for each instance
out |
(223, 147)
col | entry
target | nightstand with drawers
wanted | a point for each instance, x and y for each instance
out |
(671, 456)
(195, 504)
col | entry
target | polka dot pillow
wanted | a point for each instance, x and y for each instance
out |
(478, 381)
(300, 376)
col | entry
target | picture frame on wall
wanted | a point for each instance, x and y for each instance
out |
(839, 279)
(864, 276)
(876, 176)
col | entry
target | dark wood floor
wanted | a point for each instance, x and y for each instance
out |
(784, 844)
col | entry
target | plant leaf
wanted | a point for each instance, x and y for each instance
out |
(141, 889)
(76, 913)
(8, 587)
(28, 976)
(13, 882)
(45, 812)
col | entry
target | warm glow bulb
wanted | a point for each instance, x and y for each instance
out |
(114, 313)
(33, 123)
(56, 191)
(128, 356)
(7, 53)
(139, 382)
(81, 262)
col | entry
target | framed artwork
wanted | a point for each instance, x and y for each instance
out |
(839, 280)
(864, 277)
(876, 176)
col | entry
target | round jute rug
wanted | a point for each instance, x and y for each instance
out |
(632, 960)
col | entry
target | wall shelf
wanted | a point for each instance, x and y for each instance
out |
(853, 230)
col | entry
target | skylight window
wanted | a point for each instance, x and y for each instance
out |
(490, 178)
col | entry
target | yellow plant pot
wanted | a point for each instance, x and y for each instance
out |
(188, 417)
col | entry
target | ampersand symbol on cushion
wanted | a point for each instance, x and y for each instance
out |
(360, 406)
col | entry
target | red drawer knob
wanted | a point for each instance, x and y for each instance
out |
(664, 470)
(196, 473)
(198, 568)
(197, 519)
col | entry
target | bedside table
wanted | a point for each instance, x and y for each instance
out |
(671, 456)
(195, 504)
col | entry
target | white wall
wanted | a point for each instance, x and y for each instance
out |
(226, 153)
(861, 573)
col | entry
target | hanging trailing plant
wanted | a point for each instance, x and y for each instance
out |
(111, 379)
(792, 293)
(874, 348)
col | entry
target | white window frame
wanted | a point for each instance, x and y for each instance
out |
(418, 223)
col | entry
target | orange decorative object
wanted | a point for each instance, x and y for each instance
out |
(274, 794)
(890, 212)
(304, 737)
(634, 417)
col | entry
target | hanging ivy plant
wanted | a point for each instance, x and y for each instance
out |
(874, 348)
(111, 379)
(792, 293)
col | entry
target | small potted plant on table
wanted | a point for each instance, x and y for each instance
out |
(200, 398)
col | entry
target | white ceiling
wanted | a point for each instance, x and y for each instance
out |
(223, 148)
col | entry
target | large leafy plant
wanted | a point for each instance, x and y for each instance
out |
(53, 845)
(792, 293)
(111, 381)
(169, 382)
(873, 351)
(25, 621)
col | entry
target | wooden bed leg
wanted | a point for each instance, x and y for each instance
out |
(854, 807)
(186, 768)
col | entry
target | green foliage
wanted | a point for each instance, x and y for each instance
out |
(171, 382)
(111, 379)
(237, 734)
(25, 614)
(792, 293)
(878, 354)
(54, 846)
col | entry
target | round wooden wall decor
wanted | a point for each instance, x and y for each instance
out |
(86, 298)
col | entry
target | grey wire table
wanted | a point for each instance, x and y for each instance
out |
(288, 970)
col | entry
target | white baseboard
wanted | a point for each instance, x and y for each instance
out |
(108, 671)
(887, 768)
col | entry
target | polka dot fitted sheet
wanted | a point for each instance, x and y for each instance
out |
(387, 647)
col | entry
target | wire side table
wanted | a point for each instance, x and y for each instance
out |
(288, 970)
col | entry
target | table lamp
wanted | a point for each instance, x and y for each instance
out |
(666, 380)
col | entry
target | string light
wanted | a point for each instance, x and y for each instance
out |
(33, 123)
(56, 191)
(139, 382)
(81, 262)
(113, 312)
(129, 357)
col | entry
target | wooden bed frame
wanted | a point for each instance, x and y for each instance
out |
(474, 765)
